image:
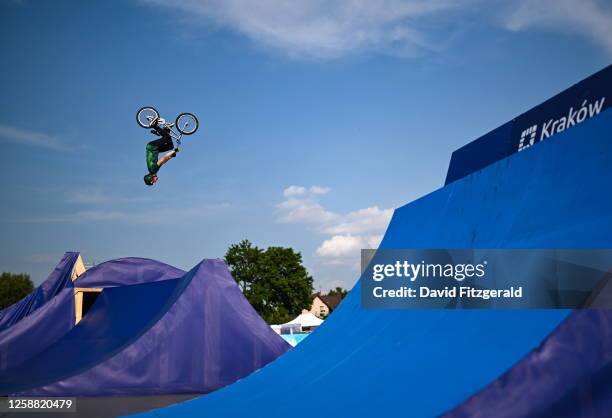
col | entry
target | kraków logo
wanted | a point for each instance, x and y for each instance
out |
(554, 126)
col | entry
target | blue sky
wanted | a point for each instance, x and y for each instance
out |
(317, 118)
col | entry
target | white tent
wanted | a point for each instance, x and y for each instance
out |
(306, 320)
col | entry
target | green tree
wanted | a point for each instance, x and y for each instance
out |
(13, 287)
(243, 260)
(338, 291)
(273, 280)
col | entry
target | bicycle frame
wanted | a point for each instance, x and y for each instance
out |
(173, 134)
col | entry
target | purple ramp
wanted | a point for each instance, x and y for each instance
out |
(45, 325)
(37, 331)
(127, 271)
(59, 279)
(569, 375)
(207, 336)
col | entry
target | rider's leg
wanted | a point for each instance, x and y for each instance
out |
(166, 143)
(154, 148)
(152, 154)
(163, 160)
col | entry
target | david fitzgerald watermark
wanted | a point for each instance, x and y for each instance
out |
(452, 292)
(486, 278)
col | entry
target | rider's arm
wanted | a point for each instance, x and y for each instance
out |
(163, 160)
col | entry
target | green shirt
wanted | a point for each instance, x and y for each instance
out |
(152, 154)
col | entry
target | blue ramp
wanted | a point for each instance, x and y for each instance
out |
(423, 363)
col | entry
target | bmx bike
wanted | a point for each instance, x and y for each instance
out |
(185, 123)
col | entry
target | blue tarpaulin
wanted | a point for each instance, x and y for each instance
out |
(37, 331)
(59, 279)
(127, 271)
(569, 375)
(566, 110)
(364, 363)
(191, 334)
(51, 307)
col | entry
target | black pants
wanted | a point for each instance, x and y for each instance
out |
(154, 147)
(163, 144)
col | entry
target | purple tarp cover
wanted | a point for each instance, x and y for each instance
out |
(59, 279)
(48, 313)
(194, 334)
(127, 271)
(39, 319)
(572, 368)
(37, 331)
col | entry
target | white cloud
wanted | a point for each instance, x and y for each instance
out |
(347, 233)
(294, 191)
(320, 29)
(319, 190)
(372, 219)
(340, 246)
(37, 139)
(301, 191)
(301, 206)
(333, 29)
(589, 18)
(304, 211)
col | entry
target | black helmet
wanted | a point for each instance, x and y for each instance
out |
(148, 179)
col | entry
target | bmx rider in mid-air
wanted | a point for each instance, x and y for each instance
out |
(185, 124)
(162, 144)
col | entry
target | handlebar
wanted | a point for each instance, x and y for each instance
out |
(168, 124)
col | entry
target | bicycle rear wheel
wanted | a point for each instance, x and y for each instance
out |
(146, 116)
(187, 123)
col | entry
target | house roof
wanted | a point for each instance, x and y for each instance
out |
(331, 300)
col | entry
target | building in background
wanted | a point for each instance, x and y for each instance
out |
(323, 305)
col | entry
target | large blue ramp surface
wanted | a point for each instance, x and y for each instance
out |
(422, 363)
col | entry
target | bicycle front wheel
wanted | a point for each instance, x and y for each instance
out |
(146, 116)
(187, 123)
